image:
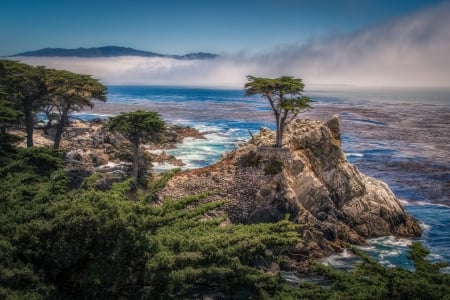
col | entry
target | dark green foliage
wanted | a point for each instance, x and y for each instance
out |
(7, 148)
(137, 125)
(24, 86)
(59, 244)
(199, 253)
(29, 179)
(92, 244)
(8, 114)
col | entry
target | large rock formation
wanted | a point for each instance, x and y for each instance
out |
(308, 179)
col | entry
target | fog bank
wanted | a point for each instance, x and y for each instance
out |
(411, 51)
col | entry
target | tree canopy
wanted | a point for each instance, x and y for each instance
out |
(24, 86)
(69, 92)
(37, 89)
(8, 114)
(285, 96)
(137, 127)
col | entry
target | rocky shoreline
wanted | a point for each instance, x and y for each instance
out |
(309, 181)
(88, 148)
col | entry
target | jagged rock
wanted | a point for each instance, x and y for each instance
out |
(176, 134)
(87, 157)
(89, 145)
(163, 157)
(310, 179)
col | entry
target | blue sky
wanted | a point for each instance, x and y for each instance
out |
(178, 27)
(347, 42)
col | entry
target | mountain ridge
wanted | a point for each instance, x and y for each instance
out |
(108, 51)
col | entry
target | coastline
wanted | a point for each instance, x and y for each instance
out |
(403, 144)
(413, 147)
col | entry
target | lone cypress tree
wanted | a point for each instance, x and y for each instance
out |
(285, 98)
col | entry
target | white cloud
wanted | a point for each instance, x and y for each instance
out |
(412, 51)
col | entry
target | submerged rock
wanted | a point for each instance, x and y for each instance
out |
(309, 179)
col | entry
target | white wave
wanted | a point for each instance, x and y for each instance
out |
(425, 203)
(366, 248)
(162, 167)
(354, 154)
(342, 259)
(197, 153)
(434, 256)
(389, 253)
(390, 241)
(404, 201)
(155, 151)
(112, 164)
(424, 227)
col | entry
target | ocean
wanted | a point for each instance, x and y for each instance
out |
(400, 136)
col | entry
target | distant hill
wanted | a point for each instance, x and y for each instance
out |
(108, 51)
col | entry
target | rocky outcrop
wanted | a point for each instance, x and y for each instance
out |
(89, 147)
(309, 180)
(92, 146)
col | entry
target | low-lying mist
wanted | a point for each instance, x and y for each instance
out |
(410, 51)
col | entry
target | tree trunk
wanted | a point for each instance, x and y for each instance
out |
(135, 162)
(59, 129)
(282, 127)
(279, 141)
(29, 122)
(280, 138)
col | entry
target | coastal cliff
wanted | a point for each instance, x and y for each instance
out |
(309, 180)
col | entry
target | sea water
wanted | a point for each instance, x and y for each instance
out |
(400, 136)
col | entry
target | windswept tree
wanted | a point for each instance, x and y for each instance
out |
(70, 92)
(137, 127)
(24, 86)
(285, 96)
(37, 89)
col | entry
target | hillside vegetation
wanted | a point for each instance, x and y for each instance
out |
(57, 243)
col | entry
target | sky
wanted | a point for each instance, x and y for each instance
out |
(349, 42)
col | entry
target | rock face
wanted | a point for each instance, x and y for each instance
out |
(308, 179)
